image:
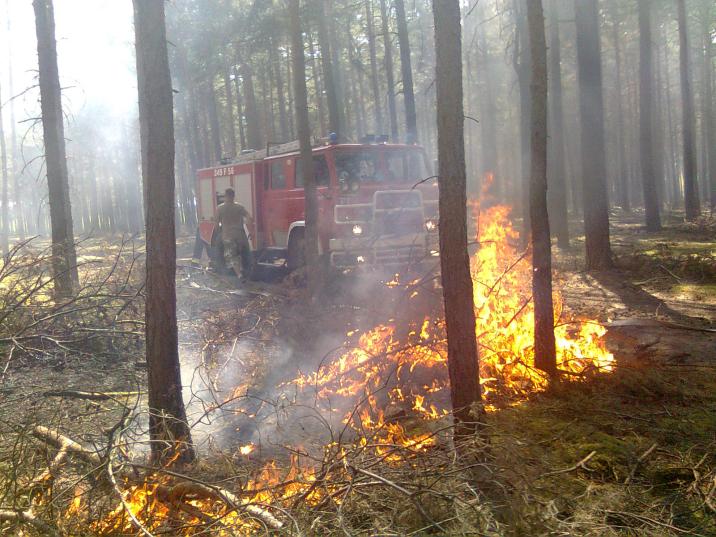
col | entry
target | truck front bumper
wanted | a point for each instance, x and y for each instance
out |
(384, 250)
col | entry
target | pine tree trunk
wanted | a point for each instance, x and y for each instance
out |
(646, 105)
(304, 137)
(213, 113)
(521, 61)
(463, 362)
(709, 112)
(230, 112)
(545, 352)
(406, 69)
(329, 78)
(389, 75)
(64, 258)
(240, 110)
(622, 179)
(254, 134)
(557, 189)
(281, 96)
(377, 109)
(20, 222)
(168, 428)
(691, 189)
(591, 107)
(4, 201)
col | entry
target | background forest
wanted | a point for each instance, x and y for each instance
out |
(520, 344)
(370, 68)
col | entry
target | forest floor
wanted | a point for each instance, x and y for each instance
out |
(630, 452)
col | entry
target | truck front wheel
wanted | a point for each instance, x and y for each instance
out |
(296, 256)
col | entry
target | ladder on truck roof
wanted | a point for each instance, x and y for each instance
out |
(251, 155)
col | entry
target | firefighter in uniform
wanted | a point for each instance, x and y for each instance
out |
(230, 217)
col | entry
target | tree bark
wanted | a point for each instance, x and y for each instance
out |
(709, 111)
(591, 107)
(692, 204)
(646, 123)
(406, 69)
(621, 173)
(389, 76)
(545, 351)
(213, 113)
(19, 206)
(168, 428)
(304, 138)
(463, 361)
(329, 78)
(278, 78)
(254, 134)
(64, 258)
(240, 110)
(4, 205)
(521, 61)
(230, 111)
(557, 187)
(377, 109)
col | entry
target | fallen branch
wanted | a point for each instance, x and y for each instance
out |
(28, 517)
(92, 396)
(62, 442)
(580, 464)
(215, 493)
(641, 459)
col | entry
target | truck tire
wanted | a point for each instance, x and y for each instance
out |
(296, 256)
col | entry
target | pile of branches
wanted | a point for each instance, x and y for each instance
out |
(37, 324)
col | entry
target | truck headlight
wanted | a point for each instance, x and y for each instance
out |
(357, 230)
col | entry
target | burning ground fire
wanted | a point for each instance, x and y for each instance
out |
(397, 388)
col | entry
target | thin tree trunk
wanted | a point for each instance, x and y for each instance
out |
(557, 190)
(318, 87)
(545, 351)
(463, 361)
(389, 76)
(646, 105)
(691, 188)
(709, 111)
(281, 96)
(4, 206)
(304, 136)
(521, 61)
(168, 428)
(64, 258)
(360, 99)
(230, 112)
(213, 113)
(255, 135)
(240, 110)
(329, 78)
(377, 110)
(21, 223)
(488, 125)
(406, 69)
(591, 106)
(622, 178)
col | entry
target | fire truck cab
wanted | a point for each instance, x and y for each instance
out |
(377, 204)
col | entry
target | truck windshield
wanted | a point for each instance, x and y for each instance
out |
(399, 166)
(360, 166)
(405, 165)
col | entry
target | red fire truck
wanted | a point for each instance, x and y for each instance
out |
(377, 204)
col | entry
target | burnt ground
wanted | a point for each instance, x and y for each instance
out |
(660, 302)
